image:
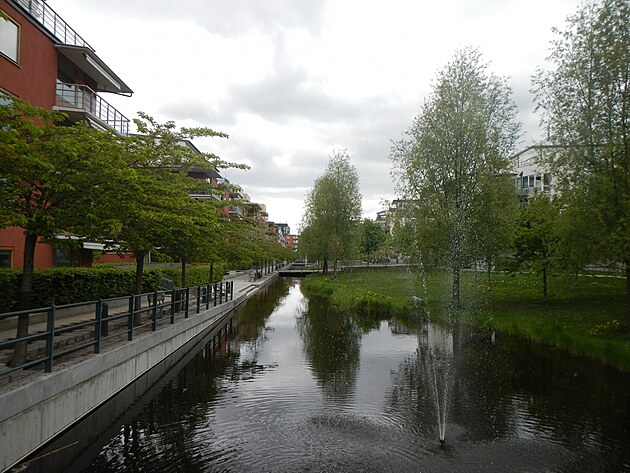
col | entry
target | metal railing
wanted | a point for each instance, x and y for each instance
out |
(81, 97)
(236, 210)
(50, 20)
(127, 318)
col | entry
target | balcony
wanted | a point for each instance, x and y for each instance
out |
(78, 98)
(234, 210)
(205, 196)
(52, 22)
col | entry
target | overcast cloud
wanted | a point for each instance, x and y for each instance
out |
(292, 80)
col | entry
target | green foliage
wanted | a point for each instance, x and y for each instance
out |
(452, 164)
(585, 103)
(197, 274)
(535, 238)
(583, 320)
(55, 176)
(352, 292)
(332, 212)
(610, 327)
(9, 289)
(244, 245)
(70, 285)
(372, 237)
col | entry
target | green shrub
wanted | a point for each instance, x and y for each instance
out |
(60, 286)
(196, 274)
(9, 289)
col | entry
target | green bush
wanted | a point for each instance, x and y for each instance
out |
(61, 286)
(197, 274)
(9, 289)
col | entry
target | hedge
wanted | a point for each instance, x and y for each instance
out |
(70, 285)
(196, 275)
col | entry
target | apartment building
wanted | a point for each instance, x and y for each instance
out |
(530, 174)
(45, 62)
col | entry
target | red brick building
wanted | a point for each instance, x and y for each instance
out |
(47, 63)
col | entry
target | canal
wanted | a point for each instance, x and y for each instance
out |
(288, 385)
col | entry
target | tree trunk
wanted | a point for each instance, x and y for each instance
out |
(628, 293)
(211, 272)
(138, 289)
(456, 301)
(489, 267)
(456, 263)
(183, 261)
(19, 354)
(325, 266)
(544, 284)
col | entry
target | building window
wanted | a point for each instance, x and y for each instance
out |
(6, 258)
(9, 38)
(62, 257)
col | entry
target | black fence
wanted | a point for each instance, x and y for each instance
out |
(74, 327)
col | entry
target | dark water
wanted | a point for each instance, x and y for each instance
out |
(297, 387)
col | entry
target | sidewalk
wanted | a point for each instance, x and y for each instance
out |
(243, 286)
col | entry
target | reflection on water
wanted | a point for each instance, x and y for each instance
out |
(294, 386)
(332, 346)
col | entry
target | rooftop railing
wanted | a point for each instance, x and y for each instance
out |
(50, 20)
(82, 98)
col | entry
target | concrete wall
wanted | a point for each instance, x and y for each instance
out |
(32, 414)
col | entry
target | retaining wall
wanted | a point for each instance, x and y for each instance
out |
(34, 413)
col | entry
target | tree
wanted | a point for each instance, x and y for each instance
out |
(535, 239)
(585, 102)
(159, 158)
(333, 210)
(494, 216)
(53, 182)
(372, 237)
(578, 240)
(195, 239)
(450, 159)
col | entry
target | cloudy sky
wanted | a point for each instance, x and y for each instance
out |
(293, 80)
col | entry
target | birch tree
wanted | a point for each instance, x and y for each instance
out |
(333, 210)
(585, 104)
(454, 153)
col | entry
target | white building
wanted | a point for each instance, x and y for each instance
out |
(530, 173)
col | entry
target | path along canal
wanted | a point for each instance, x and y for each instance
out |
(295, 387)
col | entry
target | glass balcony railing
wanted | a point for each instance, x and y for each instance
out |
(236, 210)
(49, 19)
(81, 98)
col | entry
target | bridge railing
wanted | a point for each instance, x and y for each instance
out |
(99, 322)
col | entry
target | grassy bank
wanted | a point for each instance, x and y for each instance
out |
(585, 318)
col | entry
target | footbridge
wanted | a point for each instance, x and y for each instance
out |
(298, 270)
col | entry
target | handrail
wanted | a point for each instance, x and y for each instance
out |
(81, 97)
(50, 20)
(126, 322)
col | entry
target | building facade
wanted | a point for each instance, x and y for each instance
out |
(530, 174)
(47, 63)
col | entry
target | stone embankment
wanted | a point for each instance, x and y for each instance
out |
(36, 408)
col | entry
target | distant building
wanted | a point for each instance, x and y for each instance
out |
(292, 241)
(382, 218)
(530, 174)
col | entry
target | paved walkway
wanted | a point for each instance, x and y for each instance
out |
(243, 286)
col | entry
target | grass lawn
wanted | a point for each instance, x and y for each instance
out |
(585, 318)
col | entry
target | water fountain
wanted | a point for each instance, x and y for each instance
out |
(436, 354)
